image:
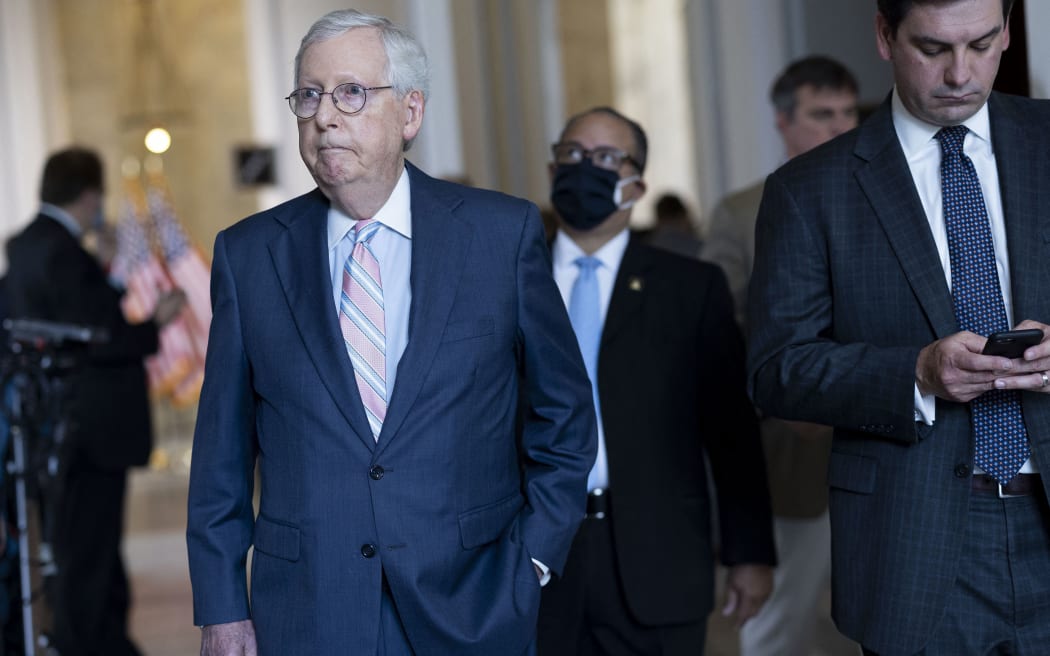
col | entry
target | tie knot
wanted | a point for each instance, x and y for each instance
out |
(952, 138)
(587, 263)
(364, 230)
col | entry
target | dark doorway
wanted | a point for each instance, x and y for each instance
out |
(1013, 69)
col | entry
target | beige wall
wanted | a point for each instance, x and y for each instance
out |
(188, 69)
(583, 27)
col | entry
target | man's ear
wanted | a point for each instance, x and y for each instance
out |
(642, 188)
(883, 37)
(414, 105)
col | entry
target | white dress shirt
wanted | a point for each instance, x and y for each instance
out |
(923, 152)
(392, 246)
(564, 254)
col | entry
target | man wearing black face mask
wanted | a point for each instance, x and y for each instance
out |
(666, 362)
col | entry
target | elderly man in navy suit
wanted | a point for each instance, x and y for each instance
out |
(393, 354)
(884, 260)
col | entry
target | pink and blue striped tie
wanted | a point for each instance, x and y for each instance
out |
(361, 318)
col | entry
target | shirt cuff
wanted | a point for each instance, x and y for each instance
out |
(545, 579)
(925, 407)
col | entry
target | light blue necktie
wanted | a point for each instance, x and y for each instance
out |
(1000, 439)
(585, 315)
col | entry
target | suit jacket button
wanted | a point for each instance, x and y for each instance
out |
(368, 550)
(376, 472)
(962, 470)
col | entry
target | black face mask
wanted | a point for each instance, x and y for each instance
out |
(583, 194)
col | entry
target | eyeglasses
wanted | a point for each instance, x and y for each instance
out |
(349, 98)
(604, 157)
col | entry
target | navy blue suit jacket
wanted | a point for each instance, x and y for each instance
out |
(455, 498)
(847, 289)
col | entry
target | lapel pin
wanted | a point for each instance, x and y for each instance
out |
(634, 283)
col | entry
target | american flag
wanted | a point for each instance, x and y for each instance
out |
(139, 270)
(187, 268)
(135, 267)
(188, 271)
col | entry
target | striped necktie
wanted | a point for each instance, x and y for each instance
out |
(1000, 439)
(361, 318)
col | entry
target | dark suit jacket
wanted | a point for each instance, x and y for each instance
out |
(451, 502)
(671, 388)
(51, 277)
(847, 289)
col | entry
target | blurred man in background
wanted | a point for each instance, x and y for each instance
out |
(52, 277)
(814, 100)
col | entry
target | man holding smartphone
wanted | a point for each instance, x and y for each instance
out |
(884, 261)
(1012, 343)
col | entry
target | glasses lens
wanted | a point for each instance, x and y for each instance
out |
(567, 153)
(304, 102)
(607, 158)
(349, 97)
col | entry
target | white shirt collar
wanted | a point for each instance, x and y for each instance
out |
(565, 250)
(396, 214)
(915, 134)
(65, 218)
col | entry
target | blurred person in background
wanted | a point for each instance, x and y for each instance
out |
(674, 229)
(814, 100)
(52, 277)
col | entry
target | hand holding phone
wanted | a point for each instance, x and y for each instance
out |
(1012, 343)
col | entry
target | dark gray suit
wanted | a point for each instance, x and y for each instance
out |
(847, 289)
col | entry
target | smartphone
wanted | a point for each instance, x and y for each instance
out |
(1012, 343)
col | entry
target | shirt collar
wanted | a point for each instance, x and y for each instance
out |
(63, 217)
(915, 134)
(396, 214)
(565, 250)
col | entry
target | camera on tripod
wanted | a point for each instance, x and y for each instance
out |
(37, 356)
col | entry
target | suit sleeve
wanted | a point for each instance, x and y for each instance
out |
(798, 367)
(559, 436)
(732, 441)
(59, 281)
(220, 517)
(726, 247)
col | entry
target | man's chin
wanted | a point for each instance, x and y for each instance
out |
(328, 176)
(946, 112)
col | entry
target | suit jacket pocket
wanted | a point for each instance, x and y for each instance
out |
(851, 472)
(277, 539)
(459, 330)
(486, 523)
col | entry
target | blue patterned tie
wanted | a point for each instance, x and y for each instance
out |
(1001, 441)
(586, 319)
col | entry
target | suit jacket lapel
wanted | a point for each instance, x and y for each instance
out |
(440, 243)
(887, 182)
(300, 256)
(1021, 156)
(628, 292)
